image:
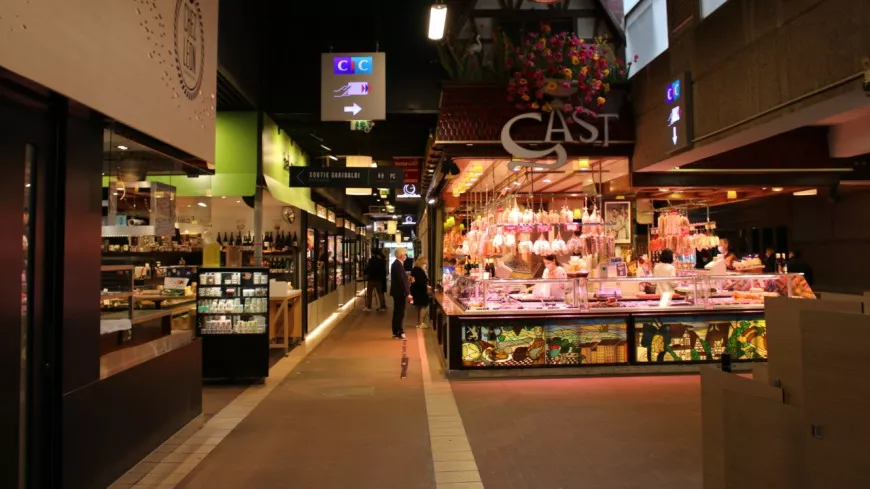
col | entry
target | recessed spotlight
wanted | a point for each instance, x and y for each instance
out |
(517, 184)
(27, 185)
(202, 204)
(516, 169)
(547, 180)
(223, 196)
(776, 189)
(432, 201)
(122, 147)
(188, 205)
(238, 202)
(807, 193)
(664, 189)
(333, 158)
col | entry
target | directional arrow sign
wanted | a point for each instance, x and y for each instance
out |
(674, 138)
(343, 177)
(354, 109)
(353, 86)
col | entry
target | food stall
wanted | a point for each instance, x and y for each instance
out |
(603, 305)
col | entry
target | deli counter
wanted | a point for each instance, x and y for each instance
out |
(625, 321)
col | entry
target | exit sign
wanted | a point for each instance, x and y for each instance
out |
(361, 125)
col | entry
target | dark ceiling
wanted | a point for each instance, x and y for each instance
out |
(270, 52)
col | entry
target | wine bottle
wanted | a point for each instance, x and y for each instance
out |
(238, 238)
(295, 240)
(267, 241)
(226, 239)
(219, 239)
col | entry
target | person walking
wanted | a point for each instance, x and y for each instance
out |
(400, 290)
(376, 277)
(420, 289)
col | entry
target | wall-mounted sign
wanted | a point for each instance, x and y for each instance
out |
(409, 191)
(353, 86)
(679, 127)
(343, 177)
(409, 221)
(588, 133)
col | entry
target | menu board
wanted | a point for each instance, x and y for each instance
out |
(163, 209)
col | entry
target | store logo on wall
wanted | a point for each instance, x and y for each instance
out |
(189, 46)
(592, 136)
(356, 65)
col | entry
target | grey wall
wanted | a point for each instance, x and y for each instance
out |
(750, 56)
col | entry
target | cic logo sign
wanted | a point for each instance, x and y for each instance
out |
(357, 65)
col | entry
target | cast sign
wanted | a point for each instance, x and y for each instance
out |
(590, 134)
(353, 86)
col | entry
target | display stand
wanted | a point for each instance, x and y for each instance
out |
(285, 315)
(233, 322)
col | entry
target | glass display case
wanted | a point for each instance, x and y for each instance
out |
(233, 322)
(331, 260)
(686, 292)
(116, 299)
(233, 301)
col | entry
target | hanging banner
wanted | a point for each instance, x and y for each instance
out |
(412, 169)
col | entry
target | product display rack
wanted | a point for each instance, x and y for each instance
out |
(233, 321)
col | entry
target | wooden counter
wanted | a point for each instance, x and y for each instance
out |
(285, 319)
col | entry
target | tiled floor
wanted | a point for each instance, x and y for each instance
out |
(345, 416)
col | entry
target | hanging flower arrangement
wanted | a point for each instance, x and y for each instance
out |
(559, 71)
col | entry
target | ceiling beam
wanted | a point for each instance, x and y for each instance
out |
(734, 179)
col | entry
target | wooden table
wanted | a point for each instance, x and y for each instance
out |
(289, 311)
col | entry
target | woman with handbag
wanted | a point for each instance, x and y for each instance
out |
(420, 289)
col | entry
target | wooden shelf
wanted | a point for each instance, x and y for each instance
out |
(116, 295)
(116, 268)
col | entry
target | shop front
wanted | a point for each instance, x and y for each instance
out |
(75, 356)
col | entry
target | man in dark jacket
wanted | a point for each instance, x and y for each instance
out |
(376, 277)
(400, 290)
(796, 264)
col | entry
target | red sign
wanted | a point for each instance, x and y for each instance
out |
(411, 167)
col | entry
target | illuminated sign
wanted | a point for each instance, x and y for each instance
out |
(678, 125)
(409, 191)
(353, 86)
(352, 65)
(409, 221)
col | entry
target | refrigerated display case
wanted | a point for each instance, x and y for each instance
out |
(233, 322)
(618, 321)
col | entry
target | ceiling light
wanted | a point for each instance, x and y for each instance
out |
(437, 21)
(432, 201)
(223, 196)
(188, 205)
(547, 180)
(326, 148)
(374, 165)
(202, 204)
(664, 189)
(676, 168)
(27, 185)
(517, 169)
(333, 158)
(776, 189)
(517, 184)
(732, 194)
(238, 202)
(122, 147)
(807, 193)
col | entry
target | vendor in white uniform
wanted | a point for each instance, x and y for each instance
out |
(552, 270)
(665, 268)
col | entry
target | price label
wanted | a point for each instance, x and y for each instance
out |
(572, 227)
(174, 283)
(544, 227)
(526, 228)
(510, 228)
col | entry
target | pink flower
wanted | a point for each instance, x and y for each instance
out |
(566, 84)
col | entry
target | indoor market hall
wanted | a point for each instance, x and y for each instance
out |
(434, 244)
